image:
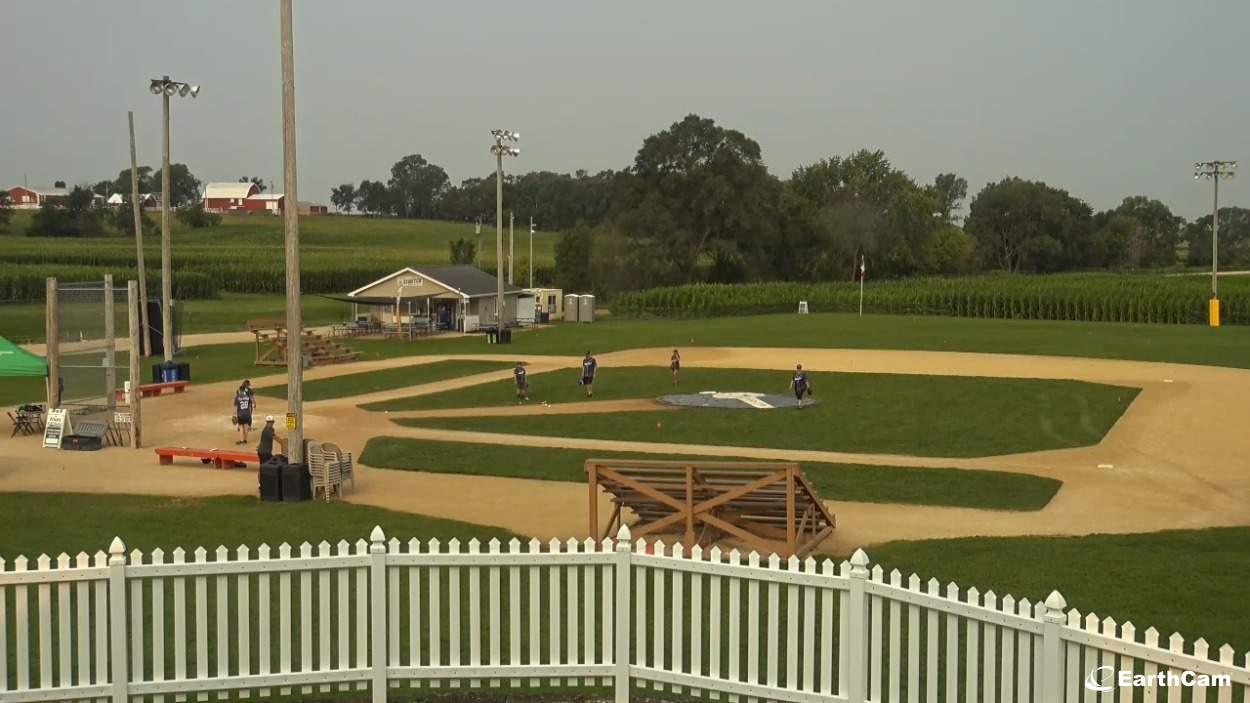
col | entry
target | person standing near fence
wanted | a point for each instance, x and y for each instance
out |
(674, 365)
(264, 449)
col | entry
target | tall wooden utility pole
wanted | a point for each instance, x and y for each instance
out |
(136, 301)
(110, 345)
(290, 216)
(137, 207)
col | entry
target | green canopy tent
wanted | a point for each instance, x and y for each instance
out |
(17, 362)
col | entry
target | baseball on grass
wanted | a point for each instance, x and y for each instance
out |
(658, 424)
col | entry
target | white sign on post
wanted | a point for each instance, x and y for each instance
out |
(57, 426)
(410, 282)
(802, 307)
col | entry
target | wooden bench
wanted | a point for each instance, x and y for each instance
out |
(218, 457)
(148, 390)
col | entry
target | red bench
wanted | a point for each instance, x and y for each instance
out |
(148, 390)
(218, 457)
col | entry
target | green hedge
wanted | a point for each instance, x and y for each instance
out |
(1076, 297)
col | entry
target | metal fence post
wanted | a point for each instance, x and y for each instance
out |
(377, 613)
(119, 679)
(858, 644)
(1053, 619)
(622, 621)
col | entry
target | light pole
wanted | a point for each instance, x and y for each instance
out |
(477, 253)
(499, 150)
(167, 88)
(1214, 171)
(531, 251)
(511, 256)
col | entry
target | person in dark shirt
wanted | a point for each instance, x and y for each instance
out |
(674, 365)
(244, 406)
(264, 449)
(522, 382)
(799, 384)
(589, 368)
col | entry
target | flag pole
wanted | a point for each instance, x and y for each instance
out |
(861, 285)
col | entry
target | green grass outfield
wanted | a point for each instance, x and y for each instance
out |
(1187, 581)
(386, 379)
(945, 416)
(986, 490)
(1191, 581)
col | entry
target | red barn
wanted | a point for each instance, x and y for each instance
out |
(27, 198)
(265, 202)
(228, 197)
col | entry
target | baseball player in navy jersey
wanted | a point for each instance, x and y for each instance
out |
(590, 368)
(522, 382)
(799, 384)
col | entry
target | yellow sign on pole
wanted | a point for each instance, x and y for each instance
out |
(291, 421)
(1213, 312)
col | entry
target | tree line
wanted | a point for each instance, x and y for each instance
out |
(698, 204)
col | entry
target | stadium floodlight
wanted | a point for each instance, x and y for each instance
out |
(1213, 171)
(167, 88)
(499, 150)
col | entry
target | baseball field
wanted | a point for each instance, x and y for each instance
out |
(1100, 459)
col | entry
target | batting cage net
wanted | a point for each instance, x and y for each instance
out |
(91, 367)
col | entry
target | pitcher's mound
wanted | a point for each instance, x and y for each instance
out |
(735, 400)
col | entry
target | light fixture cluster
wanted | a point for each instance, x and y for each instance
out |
(501, 136)
(171, 88)
(1214, 169)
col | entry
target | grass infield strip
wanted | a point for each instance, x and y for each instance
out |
(940, 416)
(986, 490)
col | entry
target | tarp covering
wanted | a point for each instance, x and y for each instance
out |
(364, 300)
(16, 361)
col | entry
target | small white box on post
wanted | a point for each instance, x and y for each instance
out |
(802, 307)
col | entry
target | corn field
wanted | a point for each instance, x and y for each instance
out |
(1077, 297)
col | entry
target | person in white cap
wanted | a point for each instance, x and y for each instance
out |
(264, 450)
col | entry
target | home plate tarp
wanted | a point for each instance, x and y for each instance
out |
(16, 362)
(734, 400)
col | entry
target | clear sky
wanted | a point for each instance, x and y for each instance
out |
(1103, 98)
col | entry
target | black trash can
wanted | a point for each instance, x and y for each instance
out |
(505, 335)
(184, 371)
(169, 372)
(271, 481)
(296, 483)
(156, 372)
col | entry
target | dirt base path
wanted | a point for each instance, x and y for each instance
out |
(1176, 459)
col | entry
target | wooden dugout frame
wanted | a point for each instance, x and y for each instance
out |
(770, 506)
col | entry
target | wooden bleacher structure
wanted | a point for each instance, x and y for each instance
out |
(271, 345)
(770, 506)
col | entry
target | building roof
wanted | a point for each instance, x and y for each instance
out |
(265, 196)
(53, 192)
(469, 281)
(229, 190)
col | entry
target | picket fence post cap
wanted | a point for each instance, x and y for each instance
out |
(623, 534)
(377, 535)
(859, 564)
(117, 547)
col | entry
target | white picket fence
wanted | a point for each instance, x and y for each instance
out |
(381, 615)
